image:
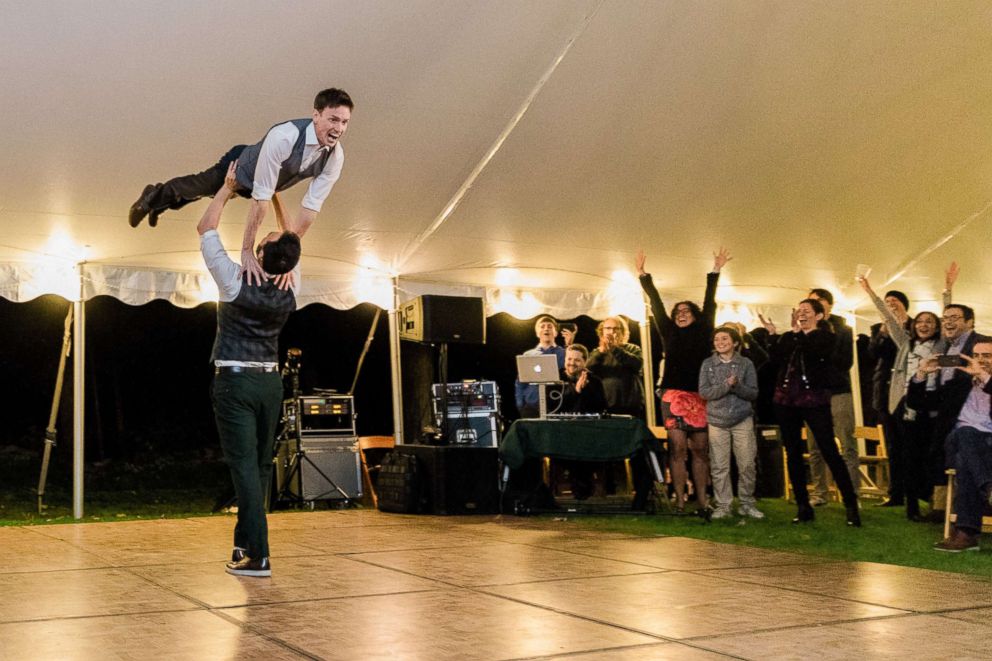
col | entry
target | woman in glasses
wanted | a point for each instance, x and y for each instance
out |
(686, 337)
(913, 429)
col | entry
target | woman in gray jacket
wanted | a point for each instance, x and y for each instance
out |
(729, 384)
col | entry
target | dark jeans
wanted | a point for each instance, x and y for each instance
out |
(177, 193)
(970, 453)
(895, 447)
(919, 477)
(246, 408)
(820, 421)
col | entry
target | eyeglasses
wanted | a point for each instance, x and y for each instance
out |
(952, 317)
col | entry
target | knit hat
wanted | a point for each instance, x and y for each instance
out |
(895, 293)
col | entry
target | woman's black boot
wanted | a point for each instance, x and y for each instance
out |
(853, 515)
(804, 514)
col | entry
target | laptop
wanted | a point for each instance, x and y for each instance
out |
(538, 369)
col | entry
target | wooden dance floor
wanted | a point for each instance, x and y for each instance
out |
(365, 585)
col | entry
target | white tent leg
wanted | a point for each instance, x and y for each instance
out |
(855, 374)
(395, 372)
(649, 412)
(78, 400)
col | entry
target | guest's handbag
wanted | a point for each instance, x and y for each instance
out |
(795, 391)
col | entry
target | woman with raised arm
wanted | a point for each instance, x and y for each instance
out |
(914, 345)
(686, 337)
(802, 395)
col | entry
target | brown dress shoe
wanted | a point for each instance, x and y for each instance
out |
(958, 541)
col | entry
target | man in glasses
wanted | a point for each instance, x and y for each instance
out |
(969, 446)
(953, 386)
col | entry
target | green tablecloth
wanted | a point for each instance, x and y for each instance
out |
(607, 439)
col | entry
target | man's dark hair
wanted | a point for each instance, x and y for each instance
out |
(282, 255)
(332, 98)
(581, 348)
(824, 294)
(967, 312)
(815, 304)
(543, 318)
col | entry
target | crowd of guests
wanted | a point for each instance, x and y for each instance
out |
(930, 389)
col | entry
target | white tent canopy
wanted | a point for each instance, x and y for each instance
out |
(520, 150)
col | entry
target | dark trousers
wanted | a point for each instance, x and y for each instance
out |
(246, 408)
(970, 453)
(177, 193)
(895, 447)
(820, 421)
(917, 479)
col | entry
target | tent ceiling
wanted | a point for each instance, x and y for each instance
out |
(807, 137)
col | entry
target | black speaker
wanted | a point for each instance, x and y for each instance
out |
(770, 481)
(436, 319)
(456, 480)
(327, 467)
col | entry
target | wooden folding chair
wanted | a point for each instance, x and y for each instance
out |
(874, 466)
(831, 485)
(372, 443)
(949, 515)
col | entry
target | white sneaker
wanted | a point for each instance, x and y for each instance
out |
(750, 511)
(721, 513)
(817, 501)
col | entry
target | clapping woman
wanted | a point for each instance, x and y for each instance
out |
(802, 396)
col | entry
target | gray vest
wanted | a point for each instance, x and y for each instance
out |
(289, 171)
(248, 327)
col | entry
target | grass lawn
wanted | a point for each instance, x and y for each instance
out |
(886, 535)
(150, 488)
(191, 486)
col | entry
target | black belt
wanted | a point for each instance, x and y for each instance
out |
(243, 369)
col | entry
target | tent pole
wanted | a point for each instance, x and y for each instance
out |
(855, 373)
(394, 363)
(78, 398)
(649, 412)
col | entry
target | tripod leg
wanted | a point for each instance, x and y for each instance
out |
(53, 415)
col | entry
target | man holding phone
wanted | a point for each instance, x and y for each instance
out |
(954, 386)
(969, 448)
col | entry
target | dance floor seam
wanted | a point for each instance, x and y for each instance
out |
(367, 585)
(792, 589)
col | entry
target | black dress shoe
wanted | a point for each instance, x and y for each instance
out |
(804, 515)
(891, 502)
(247, 567)
(143, 205)
(238, 554)
(853, 515)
